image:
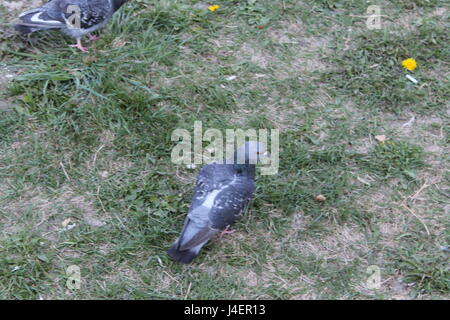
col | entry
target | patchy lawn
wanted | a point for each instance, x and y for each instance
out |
(85, 172)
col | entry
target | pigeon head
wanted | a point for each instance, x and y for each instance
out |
(250, 153)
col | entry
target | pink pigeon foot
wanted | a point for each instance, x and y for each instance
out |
(226, 231)
(79, 45)
(92, 37)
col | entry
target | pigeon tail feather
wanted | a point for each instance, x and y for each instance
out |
(185, 256)
(25, 29)
(35, 20)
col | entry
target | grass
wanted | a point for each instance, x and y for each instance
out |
(87, 137)
(393, 157)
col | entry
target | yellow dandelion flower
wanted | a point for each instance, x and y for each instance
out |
(409, 64)
(214, 7)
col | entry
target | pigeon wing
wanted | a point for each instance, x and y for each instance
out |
(231, 202)
(210, 178)
(197, 229)
(41, 18)
(210, 183)
(82, 14)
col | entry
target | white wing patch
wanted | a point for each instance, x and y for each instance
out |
(28, 12)
(209, 202)
(36, 18)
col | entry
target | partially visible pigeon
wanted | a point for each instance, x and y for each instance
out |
(75, 18)
(222, 193)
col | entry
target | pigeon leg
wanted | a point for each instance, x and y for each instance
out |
(92, 37)
(79, 45)
(226, 231)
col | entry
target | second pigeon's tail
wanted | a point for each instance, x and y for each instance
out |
(25, 29)
(35, 20)
(185, 256)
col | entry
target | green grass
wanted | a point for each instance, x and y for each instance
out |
(88, 137)
(391, 158)
(369, 68)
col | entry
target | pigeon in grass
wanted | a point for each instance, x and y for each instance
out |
(221, 194)
(75, 18)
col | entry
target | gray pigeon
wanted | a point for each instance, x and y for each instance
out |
(75, 18)
(222, 193)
